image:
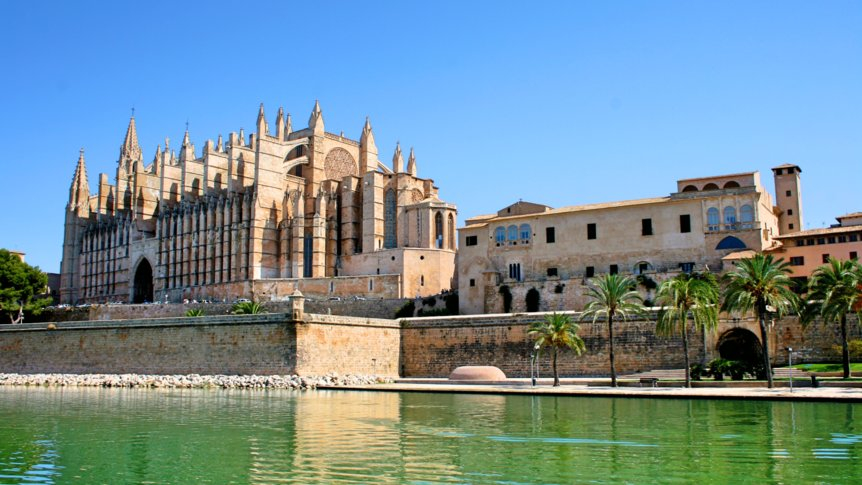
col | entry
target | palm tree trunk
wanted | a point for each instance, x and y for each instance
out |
(845, 352)
(761, 314)
(611, 343)
(685, 351)
(556, 375)
(705, 355)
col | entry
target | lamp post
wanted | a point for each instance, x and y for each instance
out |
(534, 359)
(790, 363)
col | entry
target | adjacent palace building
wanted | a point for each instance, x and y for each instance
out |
(531, 257)
(258, 217)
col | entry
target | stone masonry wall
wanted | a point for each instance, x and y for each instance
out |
(348, 345)
(248, 344)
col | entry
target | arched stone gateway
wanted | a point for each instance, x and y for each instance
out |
(742, 345)
(142, 291)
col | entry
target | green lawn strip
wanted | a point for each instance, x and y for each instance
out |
(829, 367)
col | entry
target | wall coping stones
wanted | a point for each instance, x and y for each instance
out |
(152, 322)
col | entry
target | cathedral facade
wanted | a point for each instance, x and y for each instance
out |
(257, 217)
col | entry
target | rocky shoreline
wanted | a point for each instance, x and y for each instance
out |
(188, 381)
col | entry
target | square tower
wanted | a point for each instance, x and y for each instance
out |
(788, 198)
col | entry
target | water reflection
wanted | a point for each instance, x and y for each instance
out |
(116, 436)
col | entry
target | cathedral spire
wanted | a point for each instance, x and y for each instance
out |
(411, 163)
(279, 124)
(398, 159)
(288, 129)
(262, 127)
(315, 122)
(131, 150)
(367, 149)
(187, 150)
(79, 192)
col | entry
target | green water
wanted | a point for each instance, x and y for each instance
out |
(198, 436)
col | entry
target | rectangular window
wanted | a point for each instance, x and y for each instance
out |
(515, 271)
(614, 269)
(842, 239)
(821, 240)
(797, 260)
(852, 238)
(685, 223)
(591, 231)
(472, 282)
(686, 267)
(646, 227)
(789, 212)
(591, 271)
(831, 240)
(790, 226)
(825, 258)
(810, 242)
(550, 235)
(552, 271)
(643, 268)
(788, 193)
(472, 240)
(854, 255)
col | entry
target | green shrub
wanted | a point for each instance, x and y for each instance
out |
(406, 310)
(430, 301)
(247, 308)
(195, 312)
(697, 372)
(854, 347)
(433, 312)
(718, 367)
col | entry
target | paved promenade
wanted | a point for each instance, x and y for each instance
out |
(589, 387)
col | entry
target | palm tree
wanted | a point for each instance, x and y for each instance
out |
(757, 283)
(613, 295)
(681, 296)
(247, 308)
(557, 331)
(834, 291)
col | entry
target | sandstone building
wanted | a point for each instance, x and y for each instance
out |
(531, 257)
(259, 216)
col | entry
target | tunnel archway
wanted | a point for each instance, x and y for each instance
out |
(742, 345)
(142, 291)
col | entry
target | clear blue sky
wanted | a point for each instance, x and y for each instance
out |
(559, 103)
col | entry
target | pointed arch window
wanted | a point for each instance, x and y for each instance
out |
(712, 219)
(438, 230)
(389, 238)
(746, 216)
(729, 218)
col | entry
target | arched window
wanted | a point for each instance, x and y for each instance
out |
(438, 230)
(525, 233)
(390, 240)
(730, 242)
(729, 218)
(689, 188)
(513, 233)
(731, 185)
(710, 186)
(746, 216)
(451, 231)
(500, 235)
(712, 219)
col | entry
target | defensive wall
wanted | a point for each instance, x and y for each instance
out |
(295, 342)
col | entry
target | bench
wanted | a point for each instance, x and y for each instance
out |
(650, 381)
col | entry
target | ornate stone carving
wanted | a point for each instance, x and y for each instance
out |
(338, 164)
(417, 195)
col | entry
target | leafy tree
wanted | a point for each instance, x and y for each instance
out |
(612, 296)
(680, 297)
(20, 283)
(833, 292)
(557, 331)
(757, 284)
(247, 308)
